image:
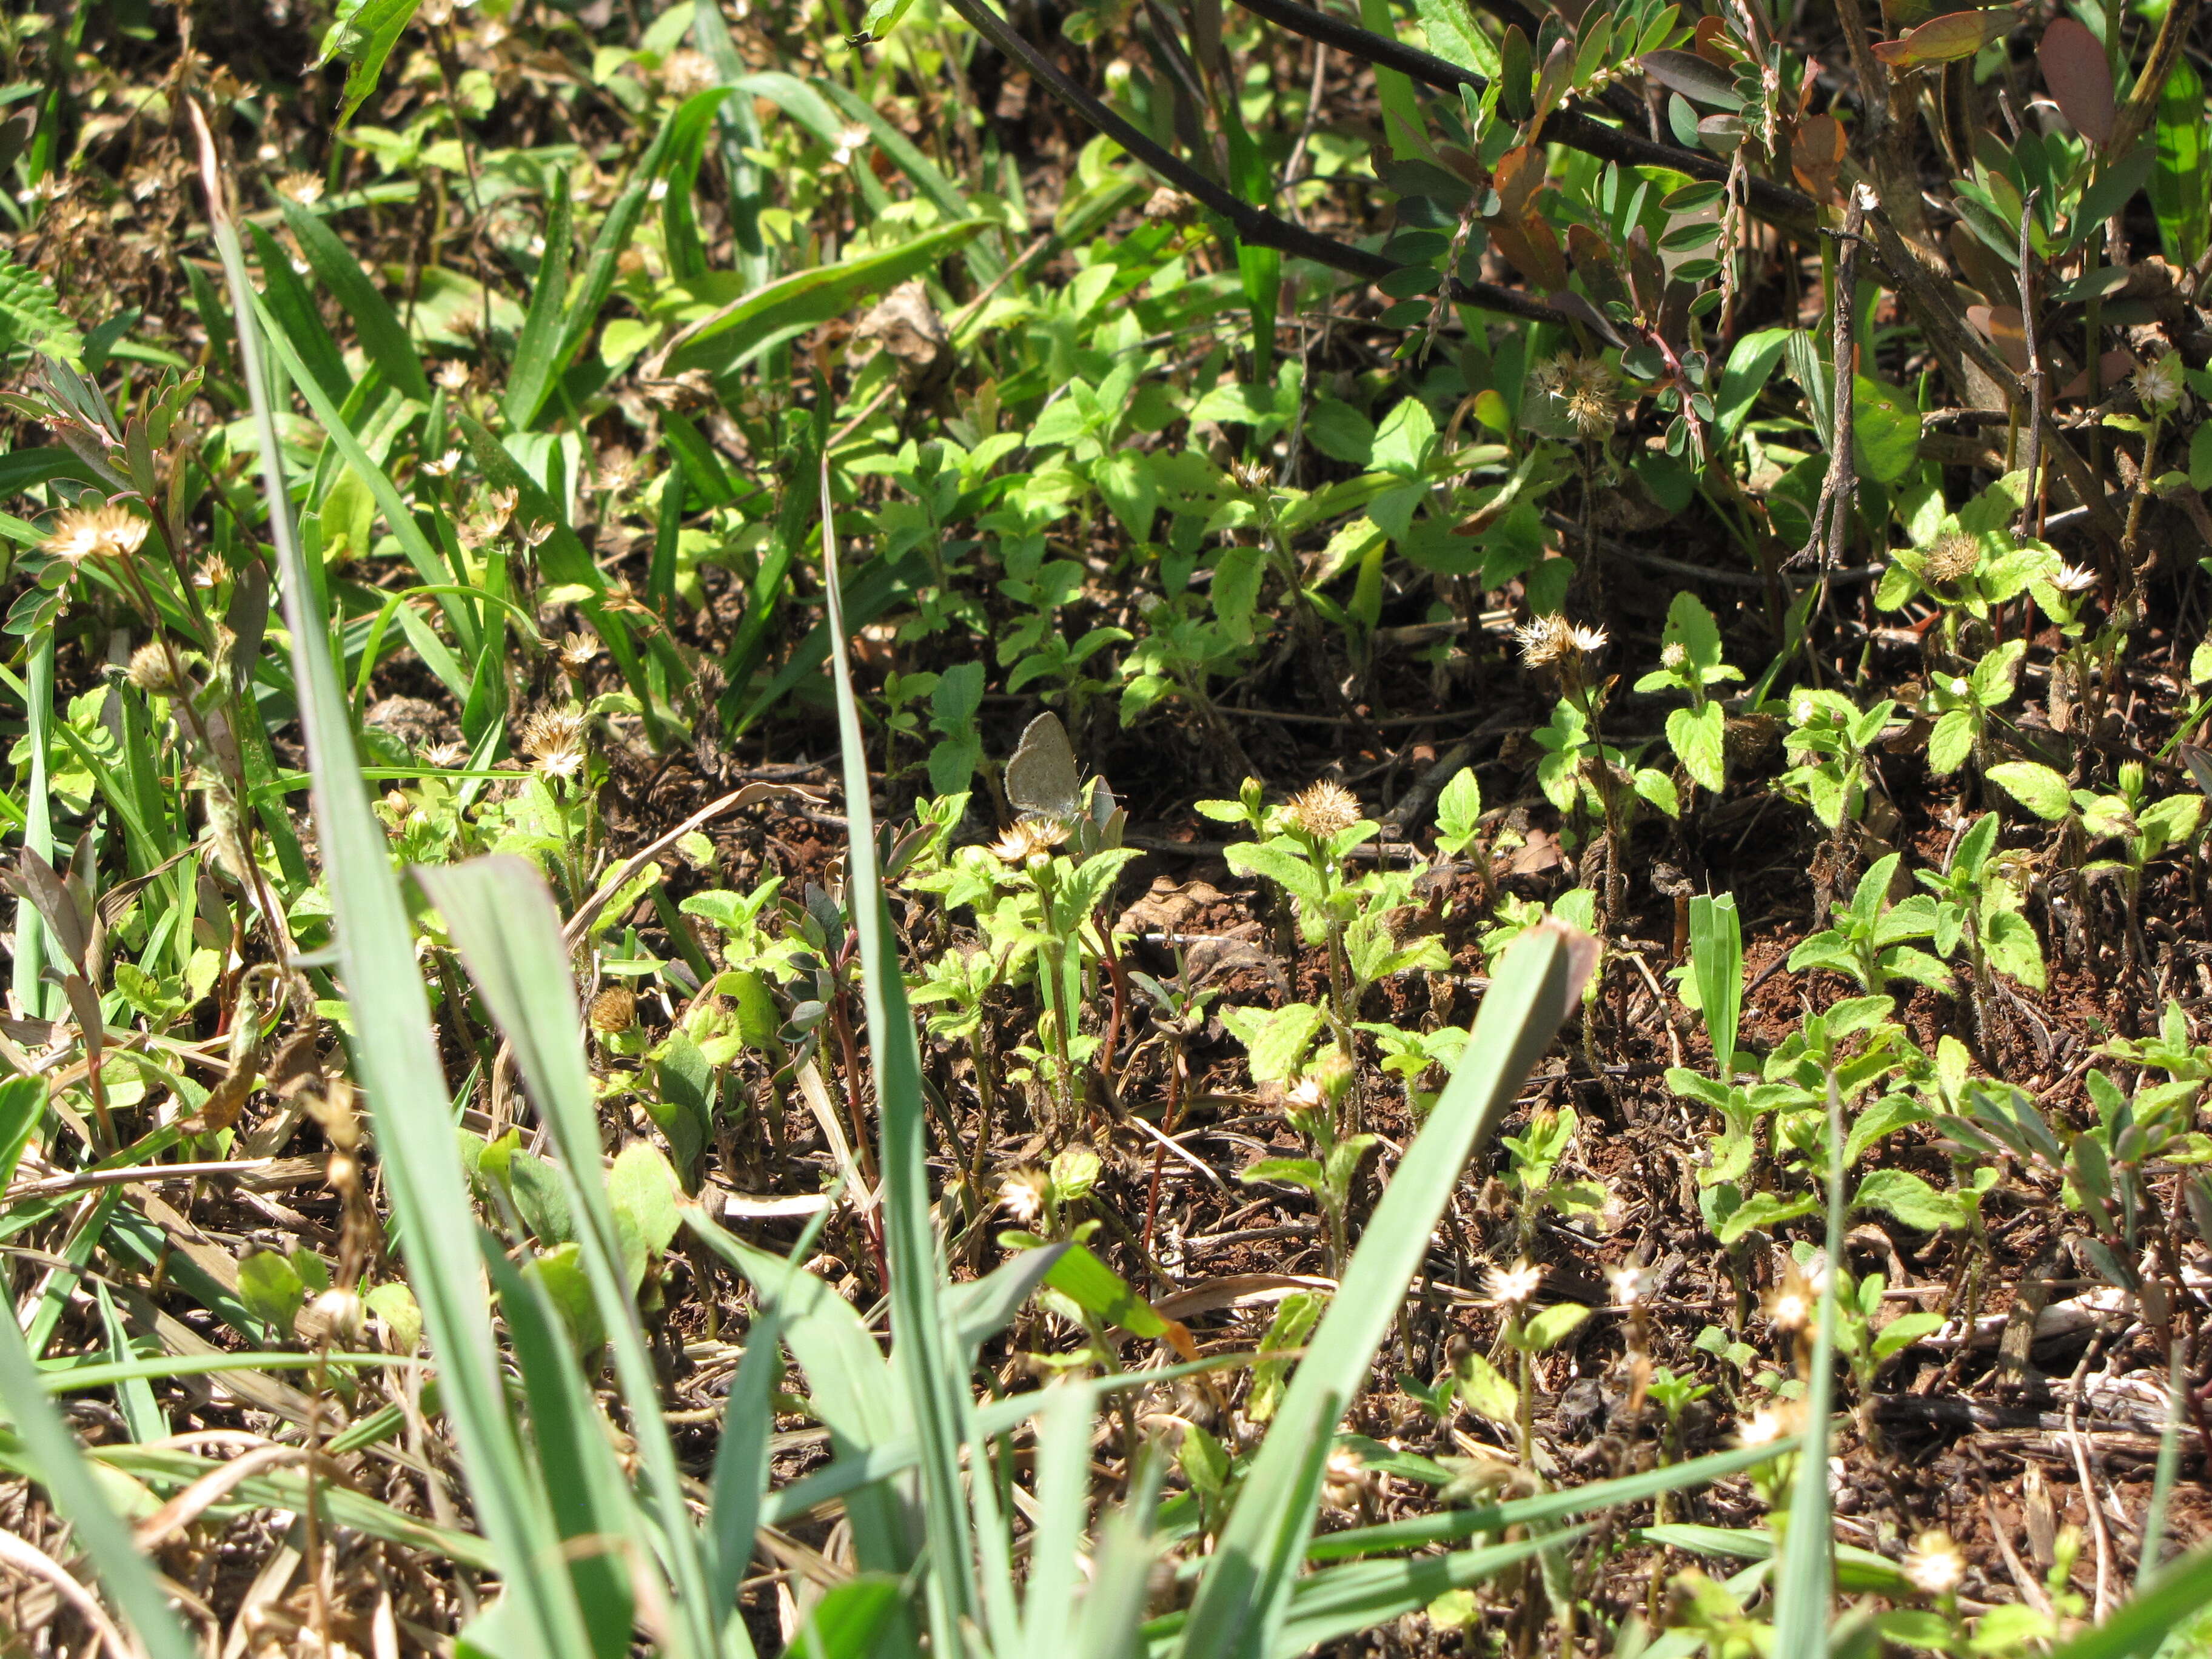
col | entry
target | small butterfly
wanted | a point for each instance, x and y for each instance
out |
(1043, 776)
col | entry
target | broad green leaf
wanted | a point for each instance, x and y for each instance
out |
(1885, 430)
(1698, 738)
(2037, 788)
(1901, 1194)
(2180, 189)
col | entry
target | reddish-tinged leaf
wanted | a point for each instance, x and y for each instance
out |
(1942, 40)
(2075, 69)
(2002, 324)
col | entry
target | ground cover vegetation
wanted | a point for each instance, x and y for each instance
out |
(1115, 829)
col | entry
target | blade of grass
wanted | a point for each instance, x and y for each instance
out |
(1424, 1529)
(1344, 1601)
(537, 348)
(1241, 1601)
(396, 1051)
(62, 1469)
(584, 1486)
(383, 339)
(503, 922)
(2184, 1589)
(924, 1352)
(1805, 1579)
(33, 994)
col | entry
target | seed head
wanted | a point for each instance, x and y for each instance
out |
(305, 188)
(1933, 1564)
(1953, 557)
(686, 72)
(614, 1011)
(1764, 1426)
(1543, 639)
(453, 375)
(1674, 656)
(446, 756)
(100, 533)
(1324, 809)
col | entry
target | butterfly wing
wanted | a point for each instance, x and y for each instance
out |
(1042, 777)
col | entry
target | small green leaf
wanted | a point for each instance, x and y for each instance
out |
(1910, 1199)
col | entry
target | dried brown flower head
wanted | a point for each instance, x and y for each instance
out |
(1324, 809)
(577, 651)
(1952, 557)
(614, 1011)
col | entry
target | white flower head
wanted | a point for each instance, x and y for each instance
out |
(1629, 1284)
(2073, 579)
(2158, 384)
(1514, 1286)
(1934, 1565)
(1022, 1192)
(1763, 1427)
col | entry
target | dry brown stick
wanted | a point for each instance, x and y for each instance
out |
(1832, 518)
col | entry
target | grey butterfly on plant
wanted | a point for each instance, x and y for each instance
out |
(1042, 776)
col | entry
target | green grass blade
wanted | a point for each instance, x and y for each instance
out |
(1424, 1529)
(2183, 1589)
(396, 1056)
(1063, 1496)
(1804, 1581)
(1112, 1625)
(1344, 1601)
(383, 339)
(805, 299)
(425, 558)
(741, 1460)
(620, 225)
(584, 1486)
(33, 994)
(1716, 961)
(924, 1352)
(102, 1535)
(537, 349)
(851, 1387)
(503, 922)
(288, 310)
(2169, 1466)
(1243, 1598)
